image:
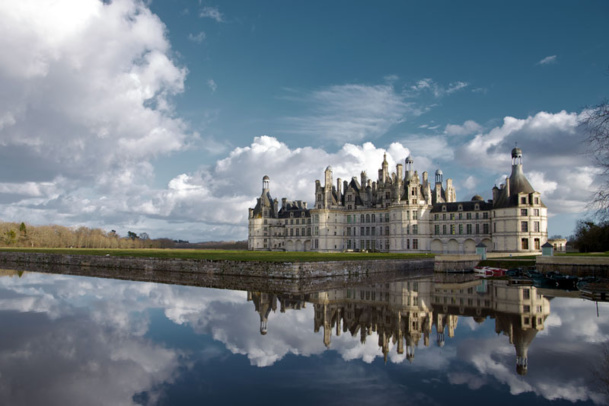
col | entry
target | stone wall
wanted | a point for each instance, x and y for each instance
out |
(447, 263)
(288, 270)
(575, 265)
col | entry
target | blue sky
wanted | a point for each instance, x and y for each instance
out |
(163, 116)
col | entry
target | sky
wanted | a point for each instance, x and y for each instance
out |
(163, 116)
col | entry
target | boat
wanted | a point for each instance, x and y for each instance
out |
(562, 281)
(488, 272)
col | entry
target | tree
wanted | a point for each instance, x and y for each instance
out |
(591, 237)
(132, 236)
(595, 122)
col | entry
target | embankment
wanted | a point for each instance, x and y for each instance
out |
(250, 275)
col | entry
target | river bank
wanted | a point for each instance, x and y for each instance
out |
(280, 270)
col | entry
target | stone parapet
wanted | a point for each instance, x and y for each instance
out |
(575, 265)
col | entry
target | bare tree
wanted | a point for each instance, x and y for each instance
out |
(596, 123)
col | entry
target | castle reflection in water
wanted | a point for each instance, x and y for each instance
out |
(404, 313)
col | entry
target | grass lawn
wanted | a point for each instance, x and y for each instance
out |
(221, 255)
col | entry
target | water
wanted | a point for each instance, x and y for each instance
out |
(73, 340)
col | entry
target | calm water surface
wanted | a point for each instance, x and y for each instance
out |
(73, 340)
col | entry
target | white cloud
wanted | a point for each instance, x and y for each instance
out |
(198, 38)
(352, 112)
(547, 60)
(211, 12)
(555, 159)
(428, 85)
(470, 183)
(212, 85)
(467, 128)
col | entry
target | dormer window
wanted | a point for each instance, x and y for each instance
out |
(477, 207)
(523, 200)
(443, 208)
(460, 208)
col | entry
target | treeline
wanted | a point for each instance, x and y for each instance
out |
(591, 237)
(54, 236)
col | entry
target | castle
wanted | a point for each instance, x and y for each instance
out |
(402, 212)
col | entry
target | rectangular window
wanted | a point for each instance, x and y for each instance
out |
(468, 216)
(435, 216)
(485, 215)
(452, 229)
(436, 229)
(407, 244)
(362, 231)
(415, 215)
(373, 230)
(525, 243)
(415, 229)
(523, 212)
(524, 226)
(452, 216)
(348, 219)
(536, 212)
(468, 228)
(443, 228)
(415, 244)
(536, 226)
(485, 228)
(348, 230)
(537, 244)
(477, 228)
(460, 228)
(523, 200)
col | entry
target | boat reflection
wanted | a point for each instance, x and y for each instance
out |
(404, 313)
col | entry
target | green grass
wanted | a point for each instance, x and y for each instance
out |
(583, 254)
(224, 255)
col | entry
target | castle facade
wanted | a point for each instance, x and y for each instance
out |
(402, 212)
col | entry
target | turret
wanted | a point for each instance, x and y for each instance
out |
(385, 168)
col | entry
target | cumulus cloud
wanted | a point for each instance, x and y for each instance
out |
(467, 128)
(555, 159)
(86, 101)
(547, 60)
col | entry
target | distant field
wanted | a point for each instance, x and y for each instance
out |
(224, 255)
